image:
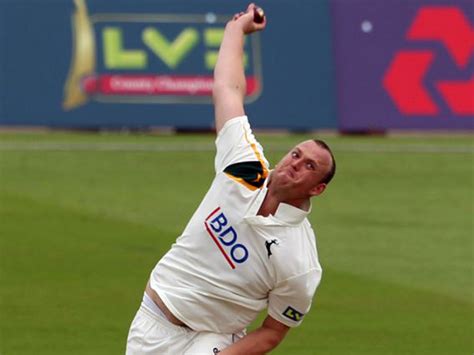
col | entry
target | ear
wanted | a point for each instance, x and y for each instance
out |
(318, 189)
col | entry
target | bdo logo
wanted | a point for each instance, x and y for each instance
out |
(404, 78)
(226, 238)
(150, 58)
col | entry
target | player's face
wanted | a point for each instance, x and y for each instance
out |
(300, 172)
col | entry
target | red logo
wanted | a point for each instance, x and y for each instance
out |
(404, 78)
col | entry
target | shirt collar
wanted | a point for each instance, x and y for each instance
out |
(291, 214)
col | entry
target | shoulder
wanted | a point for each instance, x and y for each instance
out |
(296, 252)
(239, 154)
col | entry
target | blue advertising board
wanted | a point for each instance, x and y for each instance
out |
(140, 63)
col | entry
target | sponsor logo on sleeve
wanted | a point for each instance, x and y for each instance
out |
(293, 314)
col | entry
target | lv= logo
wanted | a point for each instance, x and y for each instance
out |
(150, 58)
(403, 80)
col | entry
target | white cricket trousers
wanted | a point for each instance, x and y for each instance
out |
(151, 333)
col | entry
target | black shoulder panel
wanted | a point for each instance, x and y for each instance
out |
(251, 172)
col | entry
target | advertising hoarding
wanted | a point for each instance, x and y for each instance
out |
(404, 64)
(139, 64)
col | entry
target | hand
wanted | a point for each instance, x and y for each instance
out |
(246, 20)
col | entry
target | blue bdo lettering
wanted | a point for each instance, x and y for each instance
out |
(228, 237)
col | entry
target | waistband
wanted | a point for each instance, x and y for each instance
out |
(152, 307)
(151, 310)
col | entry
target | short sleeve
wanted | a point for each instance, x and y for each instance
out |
(236, 143)
(292, 298)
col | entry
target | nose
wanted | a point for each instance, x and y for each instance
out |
(295, 164)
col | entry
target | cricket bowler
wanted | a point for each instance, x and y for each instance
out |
(249, 245)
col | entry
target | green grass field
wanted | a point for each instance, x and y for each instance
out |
(85, 217)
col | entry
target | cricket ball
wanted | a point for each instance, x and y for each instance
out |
(258, 15)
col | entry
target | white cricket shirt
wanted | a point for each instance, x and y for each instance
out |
(229, 264)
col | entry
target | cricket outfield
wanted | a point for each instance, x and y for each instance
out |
(85, 217)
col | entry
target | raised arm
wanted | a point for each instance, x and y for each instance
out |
(229, 77)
